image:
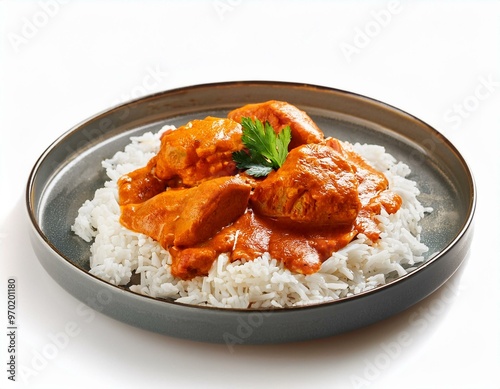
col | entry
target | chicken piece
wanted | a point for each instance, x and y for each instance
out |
(186, 217)
(315, 186)
(373, 190)
(214, 204)
(280, 114)
(140, 185)
(156, 217)
(371, 181)
(199, 150)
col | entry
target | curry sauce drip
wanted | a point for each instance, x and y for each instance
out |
(302, 250)
(192, 200)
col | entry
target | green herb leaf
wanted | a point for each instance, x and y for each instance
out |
(258, 170)
(265, 150)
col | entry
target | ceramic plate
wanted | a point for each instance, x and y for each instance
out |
(69, 172)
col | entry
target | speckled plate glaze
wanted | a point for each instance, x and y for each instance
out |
(69, 172)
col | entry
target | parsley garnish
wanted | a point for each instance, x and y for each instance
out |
(265, 150)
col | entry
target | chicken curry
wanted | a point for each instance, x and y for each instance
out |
(195, 200)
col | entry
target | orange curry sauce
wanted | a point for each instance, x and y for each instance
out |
(193, 200)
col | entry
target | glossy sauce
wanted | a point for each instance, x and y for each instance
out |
(140, 185)
(302, 250)
(300, 247)
(315, 204)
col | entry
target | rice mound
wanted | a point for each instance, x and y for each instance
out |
(117, 253)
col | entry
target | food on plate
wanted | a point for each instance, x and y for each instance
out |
(280, 114)
(199, 150)
(188, 218)
(258, 209)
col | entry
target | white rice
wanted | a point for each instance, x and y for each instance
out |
(116, 252)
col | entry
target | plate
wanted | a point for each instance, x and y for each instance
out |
(69, 172)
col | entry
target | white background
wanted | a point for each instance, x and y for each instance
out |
(63, 61)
